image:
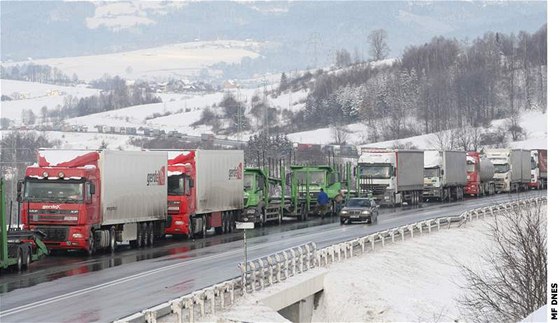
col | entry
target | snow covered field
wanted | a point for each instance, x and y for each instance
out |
(33, 96)
(178, 61)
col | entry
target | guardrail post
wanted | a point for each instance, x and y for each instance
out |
(253, 275)
(371, 239)
(189, 304)
(150, 316)
(401, 231)
(411, 229)
(429, 226)
(392, 234)
(419, 226)
(382, 236)
(177, 308)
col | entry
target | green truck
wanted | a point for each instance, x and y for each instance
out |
(305, 182)
(18, 247)
(263, 196)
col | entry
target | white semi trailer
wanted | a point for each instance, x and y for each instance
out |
(512, 169)
(445, 174)
(391, 177)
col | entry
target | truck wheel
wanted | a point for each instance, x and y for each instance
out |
(263, 217)
(139, 237)
(112, 240)
(145, 234)
(19, 259)
(27, 258)
(91, 245)
(150, 235)
(203, 226)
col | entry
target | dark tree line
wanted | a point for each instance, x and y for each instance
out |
(38, 73)
(444, 84)
(115, 94)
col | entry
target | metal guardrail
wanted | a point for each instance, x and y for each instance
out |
(275, 268)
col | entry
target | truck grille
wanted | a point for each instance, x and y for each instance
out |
(373, 188)
(55, 233)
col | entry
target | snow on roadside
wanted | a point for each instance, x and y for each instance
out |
(417, 280)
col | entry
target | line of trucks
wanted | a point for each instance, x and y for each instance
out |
(95, 199)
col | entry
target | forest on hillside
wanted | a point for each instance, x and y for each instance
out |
(440, 85)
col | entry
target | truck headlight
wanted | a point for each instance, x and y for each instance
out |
(77, 236)
(179, 222)
(172, 208)
(251, 211)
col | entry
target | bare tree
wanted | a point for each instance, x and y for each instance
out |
(468, 138)
(444, 140)
(340, 134)
(516, 284)
(378, 48)
(342, 58)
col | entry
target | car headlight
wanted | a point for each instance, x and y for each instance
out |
(251, 211)
(366, 212)
(343, 212)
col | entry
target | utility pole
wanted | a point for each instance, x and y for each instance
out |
(265, 106)
(239, 115)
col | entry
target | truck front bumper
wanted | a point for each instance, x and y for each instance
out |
(179, 225)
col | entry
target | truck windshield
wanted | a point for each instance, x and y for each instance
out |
(176, 185)
(471, 167)
(431, 172)
(248, 180)
(501, 168)
(48, 190)
(533, 163)
(315, 177)
(376, 171)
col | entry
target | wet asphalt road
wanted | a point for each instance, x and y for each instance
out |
(76, 288)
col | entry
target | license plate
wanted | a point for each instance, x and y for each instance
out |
(354, 216)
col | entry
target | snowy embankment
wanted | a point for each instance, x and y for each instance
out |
(419, 279)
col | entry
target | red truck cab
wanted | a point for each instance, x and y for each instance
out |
(181, 194)
(62, 201)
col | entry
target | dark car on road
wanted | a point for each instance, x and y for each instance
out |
(363, 210)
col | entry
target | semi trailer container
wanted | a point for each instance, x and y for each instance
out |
(87, 200)
(480, 175)
(445, 174)
(539, 173)
(391, 177)
(512, 169)
(205, 191)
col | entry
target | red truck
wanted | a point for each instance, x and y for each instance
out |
(88, 200)
(480, 175)
(539, 174)
(205, 190)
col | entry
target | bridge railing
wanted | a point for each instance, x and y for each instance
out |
(266, 271)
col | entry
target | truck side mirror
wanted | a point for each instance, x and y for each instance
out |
(19, 197)
(191, 183)
(91, 188)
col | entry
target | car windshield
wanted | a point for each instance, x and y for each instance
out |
(358, 203)
(376, 171)
(501, 168)
(48, 190)
(176, 185)
(248, 180)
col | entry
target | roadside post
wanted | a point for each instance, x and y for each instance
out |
(244, 226)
